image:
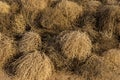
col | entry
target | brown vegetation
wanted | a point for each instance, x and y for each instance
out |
(96, 68)
(62, 16)
(104, 43)
(19, 24)
(108, 21)
(32, 66)
(59, 39)
(113, 56)
(65, 76)
(7, 49)
(109, 1)
(54, 19)
(29, 42)
(70, 9)
(59, 61)
(4, 8)
(74, 44)
(32, 8)
(91, 7)
(4, 76)
(34, 5)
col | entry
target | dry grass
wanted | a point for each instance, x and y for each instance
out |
(30, 42)
(32, 8)
(88, 21)
(109, 1)
(70, 9)
(113, 55)
(108, 20)
(4, 16)
(19, 24)
(15, 5)
(62, 16)
(59, 61)
(53, 18)
(65, 76)
(59, 40)
(4, 8)
(4, 76)
(32, 66)
(104, 43)
(96, 68)
(7, 49)
(4, 23)
(34, 5)
(74, 44)
(91, 7)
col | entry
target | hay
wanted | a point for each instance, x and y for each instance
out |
(96, 68)
(70, 9)
(34, 5)
(63, 75)
(113, 55)
(18, 24)
(53, 18)
(108, 19)
(32, 66)
(29, 42)
(4, 8)
(74, 44)
(7, 49)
